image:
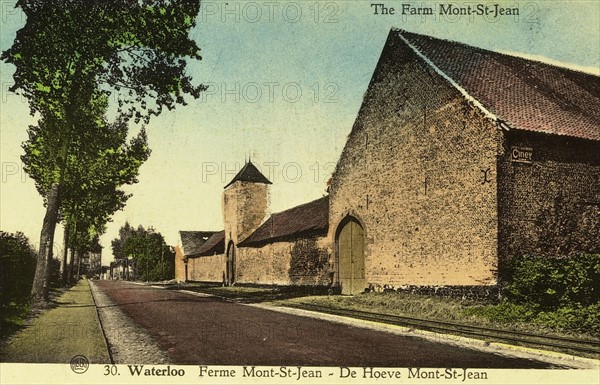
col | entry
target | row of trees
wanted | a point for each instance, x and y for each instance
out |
(18, 264)
(72, 57)
(144, 253)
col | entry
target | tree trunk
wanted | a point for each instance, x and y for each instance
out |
(72, 260)
(63, 267)
(41, 282)
(71, 265)
(78, 264)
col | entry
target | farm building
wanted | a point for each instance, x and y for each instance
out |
(286, 248)
(459, 158)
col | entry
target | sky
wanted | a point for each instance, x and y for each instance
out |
(286, 81)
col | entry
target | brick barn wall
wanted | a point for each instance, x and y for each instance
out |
(419, 172)
(550, 206)
(299, 262)
(210, 268)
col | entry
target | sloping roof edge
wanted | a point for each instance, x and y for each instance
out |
(550, 107)
(460, 89)
(249, 173)
(311, 219)
(213, 245)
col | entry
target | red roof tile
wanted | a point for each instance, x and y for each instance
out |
(215, 244)
(527, 95)
(193, 240)
(309, 218)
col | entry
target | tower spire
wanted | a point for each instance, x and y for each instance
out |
(249, 173)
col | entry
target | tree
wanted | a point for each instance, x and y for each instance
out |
(118, 244)
(71, 51)
(151, 258)
(98, 165)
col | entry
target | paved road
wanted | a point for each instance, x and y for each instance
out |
(211, 331)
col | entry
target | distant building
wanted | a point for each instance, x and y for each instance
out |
(284, 248)
(105, 272)
(459, 159)
(94, 263)
(120, 270)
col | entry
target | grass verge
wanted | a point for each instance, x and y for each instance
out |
(396, 303)
(439, 309)
(61, 333)
(13, 318)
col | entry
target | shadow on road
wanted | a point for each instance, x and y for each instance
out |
(207, 299)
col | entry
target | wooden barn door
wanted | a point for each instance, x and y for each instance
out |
(230, 264)
(351, 257)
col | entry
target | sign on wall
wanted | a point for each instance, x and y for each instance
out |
(521, 154)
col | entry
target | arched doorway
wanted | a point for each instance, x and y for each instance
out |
(230, 264)
(350, 246)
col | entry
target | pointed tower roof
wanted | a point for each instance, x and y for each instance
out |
(249, 173)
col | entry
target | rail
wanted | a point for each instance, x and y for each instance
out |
(486, 333)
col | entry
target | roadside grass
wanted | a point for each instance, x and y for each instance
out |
(12, 318)
(60, 333)
(501, 316)
(436, 308)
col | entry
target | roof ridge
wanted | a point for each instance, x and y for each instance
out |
(298, 206)
(212, 245)
(515, 55)
(460, 89)
(512, 92)
(302, 218)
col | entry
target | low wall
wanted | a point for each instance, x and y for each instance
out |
(210, 268)
(303, 262)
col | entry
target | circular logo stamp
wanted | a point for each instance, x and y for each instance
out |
(80, 364)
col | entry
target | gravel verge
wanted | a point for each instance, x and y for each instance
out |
(128, 342)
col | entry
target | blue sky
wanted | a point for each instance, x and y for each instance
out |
(287, 80)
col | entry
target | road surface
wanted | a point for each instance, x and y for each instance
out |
(212, 331)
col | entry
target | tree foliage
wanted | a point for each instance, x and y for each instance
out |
(149, 255)
(17, 268)
(102, 160)
(118, 244)
(71, 57)
(70, 50)
(550, 283)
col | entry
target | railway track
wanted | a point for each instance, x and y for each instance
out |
(489, 334)
(563, 344)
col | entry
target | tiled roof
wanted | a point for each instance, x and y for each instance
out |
(309, 218)
(527, 95)
(213, 245)
(192, 241)
(249, 173)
